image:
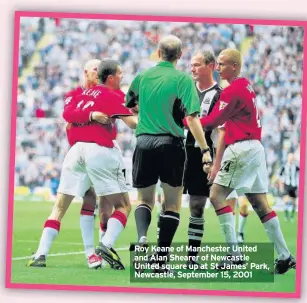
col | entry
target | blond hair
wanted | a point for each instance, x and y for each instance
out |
(232, 55)
(91, 64)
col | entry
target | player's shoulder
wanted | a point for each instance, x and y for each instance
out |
(236, 85)
(110, 93)
(76, 91)
(218, 88)
(104, 89)
(120, 93)
(240, 82)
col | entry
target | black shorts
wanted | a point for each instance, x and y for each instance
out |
(158, 157)
(195, 179)
(291, 191)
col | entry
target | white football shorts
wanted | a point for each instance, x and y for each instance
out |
(244, 168)
(89, 164)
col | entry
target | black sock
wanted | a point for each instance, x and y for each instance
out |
(142, 216)
(168, 227)
(195, 234)
(159, 223)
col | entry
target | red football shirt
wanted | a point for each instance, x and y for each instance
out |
(77, 112)
(67, 98)
(236, 105)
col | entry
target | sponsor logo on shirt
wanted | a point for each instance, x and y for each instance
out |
(207, 101)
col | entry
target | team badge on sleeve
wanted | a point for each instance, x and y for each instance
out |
(222, 105)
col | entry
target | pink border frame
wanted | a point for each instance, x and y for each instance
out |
(9, 284)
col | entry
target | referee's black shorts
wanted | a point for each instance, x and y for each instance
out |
(195, 179)
(158, 157)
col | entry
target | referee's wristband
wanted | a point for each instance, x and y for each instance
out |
(203, 151)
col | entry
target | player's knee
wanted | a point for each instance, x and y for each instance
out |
(163, 207)
(128, 208)
(214, 198)
(232, 203)
(244, 209)
(174, 207)
(197, 211)
(123, 202)
(197, 204)
(261, 209)
(90, 197)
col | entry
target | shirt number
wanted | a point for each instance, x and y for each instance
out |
(86, 105)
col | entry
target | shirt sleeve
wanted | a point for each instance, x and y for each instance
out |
(132, 96)
(225, 108)
(76, 112)
(187, 93)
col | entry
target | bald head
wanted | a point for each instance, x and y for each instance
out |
(90, 73)
(170, 48)
(232, 56)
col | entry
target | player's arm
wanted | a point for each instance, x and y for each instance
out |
(220, 148)
(120, 111)
(76, 111)
(222, 111)
(130, 121)
(132, 96)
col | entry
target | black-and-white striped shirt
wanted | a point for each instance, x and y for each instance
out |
(289, 174)
(208, 99)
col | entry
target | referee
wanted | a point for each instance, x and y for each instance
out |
(289, 180)
(164, 96)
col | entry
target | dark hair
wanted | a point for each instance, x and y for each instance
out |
(107, 68)
(208, 57)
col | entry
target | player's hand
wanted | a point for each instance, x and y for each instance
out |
(135, 109)
(213, 172)
(101, 118)
(207, 162)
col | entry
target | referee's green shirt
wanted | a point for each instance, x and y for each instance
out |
(165, 96)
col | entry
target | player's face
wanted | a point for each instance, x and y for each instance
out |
(199, 69)
(91, 75)
(225, 68)
(116, 79)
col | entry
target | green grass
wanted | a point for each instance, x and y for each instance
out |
(29, 218)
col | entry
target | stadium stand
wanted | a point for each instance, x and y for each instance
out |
(53, 52)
